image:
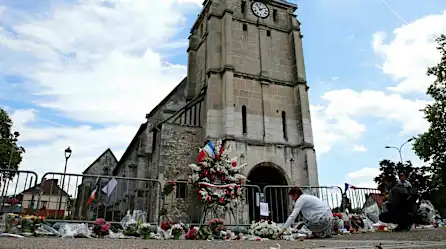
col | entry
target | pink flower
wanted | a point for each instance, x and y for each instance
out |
(105, 228)
(99, 221)
(222, 200)
(172, 182)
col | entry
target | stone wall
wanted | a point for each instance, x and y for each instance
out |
(179, 148)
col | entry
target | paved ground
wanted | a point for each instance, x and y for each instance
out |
(427, 239)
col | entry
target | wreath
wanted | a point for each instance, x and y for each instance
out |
(217, 177)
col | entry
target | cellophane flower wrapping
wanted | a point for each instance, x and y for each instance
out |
(265, 229)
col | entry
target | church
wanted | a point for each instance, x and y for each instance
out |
(246, 84)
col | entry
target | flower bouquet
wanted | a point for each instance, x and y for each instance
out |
(204, 233)
(101, 228)
(12, 201)
(192, 234)
(12, 220)
(216, 226)
(265, 229)
(144, 231)
(177, 231)
(168, 187)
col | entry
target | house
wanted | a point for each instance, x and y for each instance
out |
(53, 200)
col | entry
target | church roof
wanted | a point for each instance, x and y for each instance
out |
(97, 159)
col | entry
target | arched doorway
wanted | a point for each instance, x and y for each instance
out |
(267, 174)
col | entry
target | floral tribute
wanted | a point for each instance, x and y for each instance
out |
(168, 187)
(217, 177)
(265, 229)
(217, 225)
(101, 228)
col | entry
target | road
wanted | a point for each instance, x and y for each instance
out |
(435, 238)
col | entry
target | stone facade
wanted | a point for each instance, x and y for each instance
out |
(245, 83)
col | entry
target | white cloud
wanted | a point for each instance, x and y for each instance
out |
(97, 63)
(101, 65)
(359, 148)
(364, 173)
(412, 50)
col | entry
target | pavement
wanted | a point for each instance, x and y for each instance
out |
(427, 239)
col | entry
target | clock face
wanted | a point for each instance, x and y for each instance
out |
(260, 9)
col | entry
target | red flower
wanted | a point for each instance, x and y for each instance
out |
(222, 150)
(217, 157)
(234, 163)
(258, 239)
(172, 182)
(222, 200)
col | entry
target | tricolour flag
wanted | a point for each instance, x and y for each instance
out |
(209, 149)
(347, 186)
(93, 193)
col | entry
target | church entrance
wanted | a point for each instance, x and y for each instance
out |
(267, 174)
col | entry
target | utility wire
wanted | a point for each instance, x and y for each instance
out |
(393, 11)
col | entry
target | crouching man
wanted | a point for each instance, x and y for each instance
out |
(314, 213)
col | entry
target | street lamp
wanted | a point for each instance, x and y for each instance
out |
(67, 156)
(400, 148)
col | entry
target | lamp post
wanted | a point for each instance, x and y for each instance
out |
(67, 156)
(400, 148)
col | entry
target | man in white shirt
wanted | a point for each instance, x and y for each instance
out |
(315, 213)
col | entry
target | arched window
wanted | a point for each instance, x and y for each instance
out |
(284, 126)
(244, 125)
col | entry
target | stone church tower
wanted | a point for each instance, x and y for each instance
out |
(249, 57)
(246, 84)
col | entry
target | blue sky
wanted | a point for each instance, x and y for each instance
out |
(84, 73)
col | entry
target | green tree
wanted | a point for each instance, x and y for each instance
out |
(419, 177)
(431, 145)
(11, 154)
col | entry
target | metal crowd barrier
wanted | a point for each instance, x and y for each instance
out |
(361, 198)
(17, 191)
(65, 197)
(280, 204)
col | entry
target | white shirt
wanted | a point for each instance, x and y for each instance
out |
(311, 208)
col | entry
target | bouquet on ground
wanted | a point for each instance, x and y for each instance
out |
(265, 229)
(166, 224)
(192, 234)
(101, 228)
(216, 225)
(144, 231)
(176, 231)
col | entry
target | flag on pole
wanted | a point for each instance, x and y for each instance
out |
(347, 186)
(111, 185)
(93, 193)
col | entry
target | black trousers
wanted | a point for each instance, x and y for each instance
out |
(402, 219)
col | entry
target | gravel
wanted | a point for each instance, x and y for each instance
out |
(414, 239)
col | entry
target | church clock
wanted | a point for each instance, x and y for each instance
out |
(260, 9)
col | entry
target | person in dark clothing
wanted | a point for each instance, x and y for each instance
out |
(400, 207)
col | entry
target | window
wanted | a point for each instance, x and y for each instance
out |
(106, 171)
(245, 27)
(275, 15)
(243, 7)
(181, 190)
(245, 130)
(268, 33)
(285, 135)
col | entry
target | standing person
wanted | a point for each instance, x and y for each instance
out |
(315, 213)
(406, 183)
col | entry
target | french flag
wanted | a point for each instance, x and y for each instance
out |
(93, 193)
(209, 149)
(347, 186)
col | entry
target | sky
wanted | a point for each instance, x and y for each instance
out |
(83, 73)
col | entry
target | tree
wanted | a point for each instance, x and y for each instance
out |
(419, 177)
(431, 145)
(11, 154)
